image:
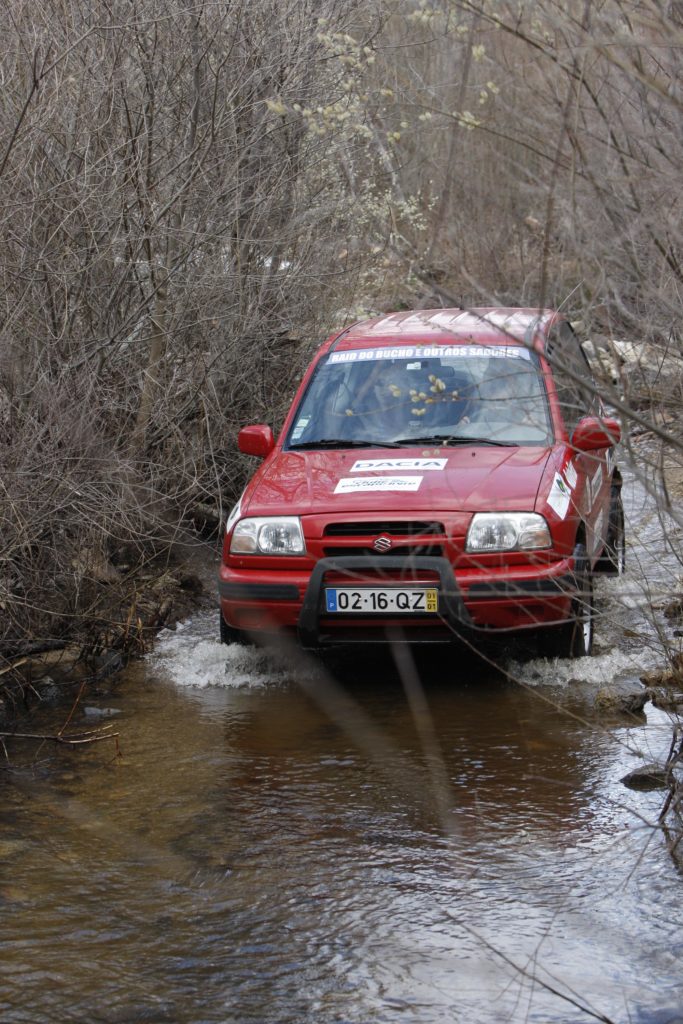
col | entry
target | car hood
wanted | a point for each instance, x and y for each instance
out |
(466, 479)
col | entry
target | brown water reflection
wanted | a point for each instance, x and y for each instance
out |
(247, 860)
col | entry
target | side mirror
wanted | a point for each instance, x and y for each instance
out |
(256, 440)
(594, 432)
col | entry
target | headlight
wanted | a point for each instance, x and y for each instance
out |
(277, 535)
(510, 531)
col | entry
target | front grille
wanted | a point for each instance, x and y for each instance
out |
(406, 550)
(394, 528)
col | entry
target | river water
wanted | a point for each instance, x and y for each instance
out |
(369, 842)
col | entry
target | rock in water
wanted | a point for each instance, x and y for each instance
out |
(622, 703)
(648, 776)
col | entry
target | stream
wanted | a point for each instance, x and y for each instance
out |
(285, 842)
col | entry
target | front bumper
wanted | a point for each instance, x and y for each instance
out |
(314, 622)
(472, 602)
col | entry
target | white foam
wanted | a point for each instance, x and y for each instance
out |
(599, 669)
(202, 663)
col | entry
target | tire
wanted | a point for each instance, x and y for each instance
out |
(230, 635)
(612, 561)
(574, 638)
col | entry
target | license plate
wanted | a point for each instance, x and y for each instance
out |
(381, 600)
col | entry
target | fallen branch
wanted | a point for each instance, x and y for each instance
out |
(75, 739)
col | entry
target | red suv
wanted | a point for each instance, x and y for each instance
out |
(442, 474)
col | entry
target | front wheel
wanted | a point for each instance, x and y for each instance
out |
(574, 638)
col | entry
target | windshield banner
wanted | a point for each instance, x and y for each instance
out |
(362, 355)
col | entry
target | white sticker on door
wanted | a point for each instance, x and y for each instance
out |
(570, 474)
(559, 496)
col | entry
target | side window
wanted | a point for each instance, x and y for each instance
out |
(572, 375)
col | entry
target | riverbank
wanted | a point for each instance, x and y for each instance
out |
(128, 605)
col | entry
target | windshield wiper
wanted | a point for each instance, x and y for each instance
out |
(454, 439)
(340, 442)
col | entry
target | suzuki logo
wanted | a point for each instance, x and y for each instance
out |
(382, 543)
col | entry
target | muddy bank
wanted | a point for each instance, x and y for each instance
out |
(127, 610)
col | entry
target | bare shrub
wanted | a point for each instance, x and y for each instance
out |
(170, 249)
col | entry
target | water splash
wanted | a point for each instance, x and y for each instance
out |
(188, 657)
(597, 670)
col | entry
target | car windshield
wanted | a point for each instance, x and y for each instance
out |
(432, 395)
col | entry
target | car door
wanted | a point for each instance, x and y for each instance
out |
(578, 397)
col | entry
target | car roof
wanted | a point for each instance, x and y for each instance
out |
(482, 325)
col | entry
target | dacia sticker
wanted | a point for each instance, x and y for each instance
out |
(380, 465)
(349, 484)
